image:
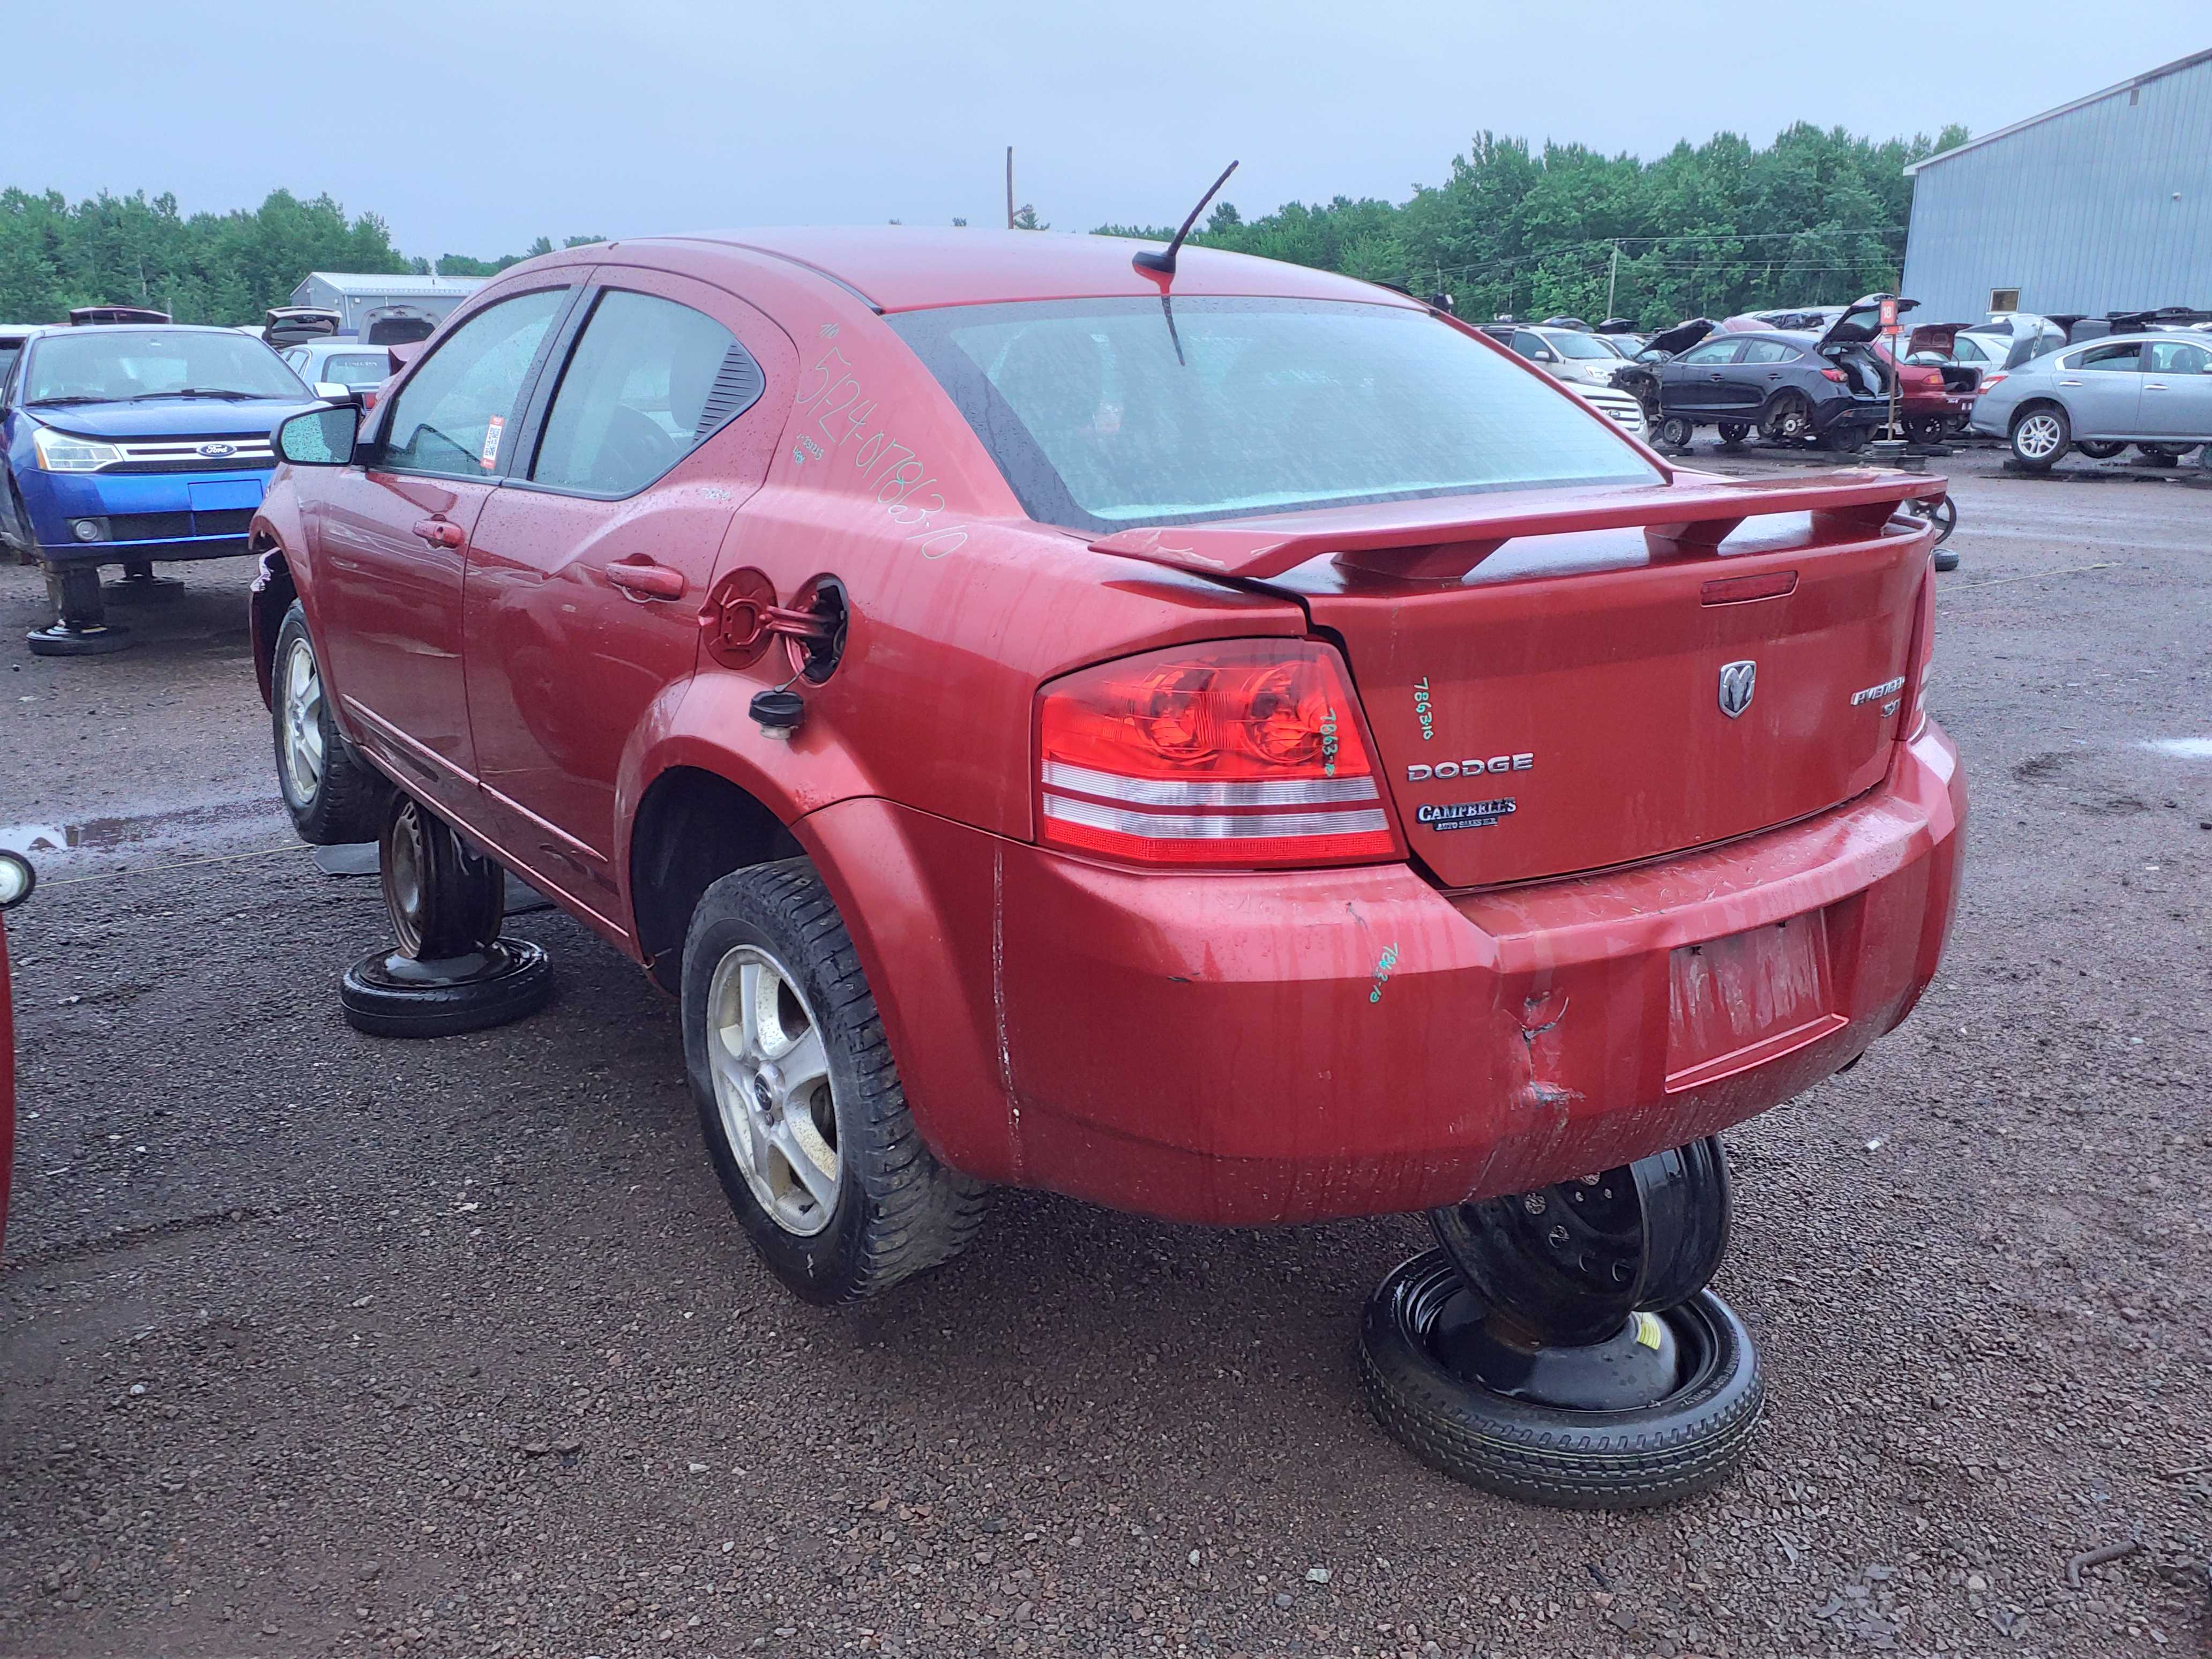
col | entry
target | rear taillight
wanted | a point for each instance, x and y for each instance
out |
(1835, 374)
(1989, 380)
(1245, 752)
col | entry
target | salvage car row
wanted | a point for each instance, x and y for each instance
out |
(1827, 377)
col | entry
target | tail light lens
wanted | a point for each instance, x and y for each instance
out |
(1245, 753)
(1835, 374)
(1989, 380)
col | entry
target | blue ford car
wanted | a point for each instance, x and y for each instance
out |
(129, 446)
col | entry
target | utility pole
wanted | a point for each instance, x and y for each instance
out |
(1010, 186)
(1612, 278)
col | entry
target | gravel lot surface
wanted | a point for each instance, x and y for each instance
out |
(313, 1343)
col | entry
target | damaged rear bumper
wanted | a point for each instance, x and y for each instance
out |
(1293, 1046)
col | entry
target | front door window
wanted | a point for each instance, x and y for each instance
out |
(452, 417)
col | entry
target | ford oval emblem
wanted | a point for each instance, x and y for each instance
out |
(218, 452)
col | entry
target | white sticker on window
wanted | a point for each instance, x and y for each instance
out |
(492, 428)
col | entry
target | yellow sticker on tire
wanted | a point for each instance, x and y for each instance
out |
(1647, 1331)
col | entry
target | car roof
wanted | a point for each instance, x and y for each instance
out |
(2158, 336)
(914, 268)
(1786, 336)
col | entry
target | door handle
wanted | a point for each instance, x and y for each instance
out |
(641, 579)
(2069, 383)
(439, 533)
(2155, 385)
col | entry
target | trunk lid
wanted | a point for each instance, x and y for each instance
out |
(1624, 681)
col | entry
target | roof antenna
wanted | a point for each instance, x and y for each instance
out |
(1165, 262)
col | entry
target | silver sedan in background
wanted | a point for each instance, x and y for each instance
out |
(2153, 391)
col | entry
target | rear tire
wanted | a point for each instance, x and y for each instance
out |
(1733, 433)
(2041, 435)
(1673, 432)
(2099, 449)
(334, 796)
(1844, 439)
(800, 1103)
(1632, 1459)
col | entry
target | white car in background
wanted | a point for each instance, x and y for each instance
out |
(1584, 363)
(335, 366)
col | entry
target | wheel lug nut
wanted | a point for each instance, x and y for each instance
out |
(1533, 1203)
(1558, 1234)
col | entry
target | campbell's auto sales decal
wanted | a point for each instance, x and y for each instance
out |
(492, 428)
(1465, 814)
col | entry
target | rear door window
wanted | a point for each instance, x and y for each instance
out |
(1769, 351)
(648, 382)
(1714, 351)
(452, 417)
(2113, 358)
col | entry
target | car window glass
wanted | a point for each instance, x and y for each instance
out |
(452, 415)
(1101, 419)
(1768, 352)
(2123, 359)
(2174, 357)
(1527, 344)
(1585, 346)
(1964, 351)
(649, 380)
(120, 363)
(357, 368)
(1715, 351)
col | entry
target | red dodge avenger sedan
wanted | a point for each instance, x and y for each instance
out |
(1237, 746)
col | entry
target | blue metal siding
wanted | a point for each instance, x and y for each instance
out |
(2103, 208)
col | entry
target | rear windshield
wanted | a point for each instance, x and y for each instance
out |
(114, 364)
(1105, 414)
(357, 368)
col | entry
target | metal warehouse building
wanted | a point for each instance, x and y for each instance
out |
(361, 298)
(2101, 204)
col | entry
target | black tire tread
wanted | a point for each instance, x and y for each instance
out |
(1544, 1457)
(920, 1214)
(445, 1011)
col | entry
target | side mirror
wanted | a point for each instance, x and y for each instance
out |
(320, 437)
(331, 391)
(1546, 354)
(17, 879)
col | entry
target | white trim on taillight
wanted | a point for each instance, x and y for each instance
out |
(1213, 826)
(1178, 792)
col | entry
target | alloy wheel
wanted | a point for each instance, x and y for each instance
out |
(303, 712)
(770, 1065)
(2038, 437)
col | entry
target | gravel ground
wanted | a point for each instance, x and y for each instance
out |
(313, 1343)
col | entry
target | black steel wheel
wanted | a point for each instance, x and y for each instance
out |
(1683, 1442)
(1787, 419)
(1567, 1263)
(1734, 432)
(444, 899)
(1673, 432)
(2099, 449)
(1845, 438)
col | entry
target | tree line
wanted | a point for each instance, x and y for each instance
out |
(1815, 217)
(226, 268)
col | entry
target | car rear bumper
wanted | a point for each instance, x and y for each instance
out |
(1293, 1046)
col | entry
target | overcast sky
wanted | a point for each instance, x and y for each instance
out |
(473, 127)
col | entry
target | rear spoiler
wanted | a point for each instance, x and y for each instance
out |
(1441, 539)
